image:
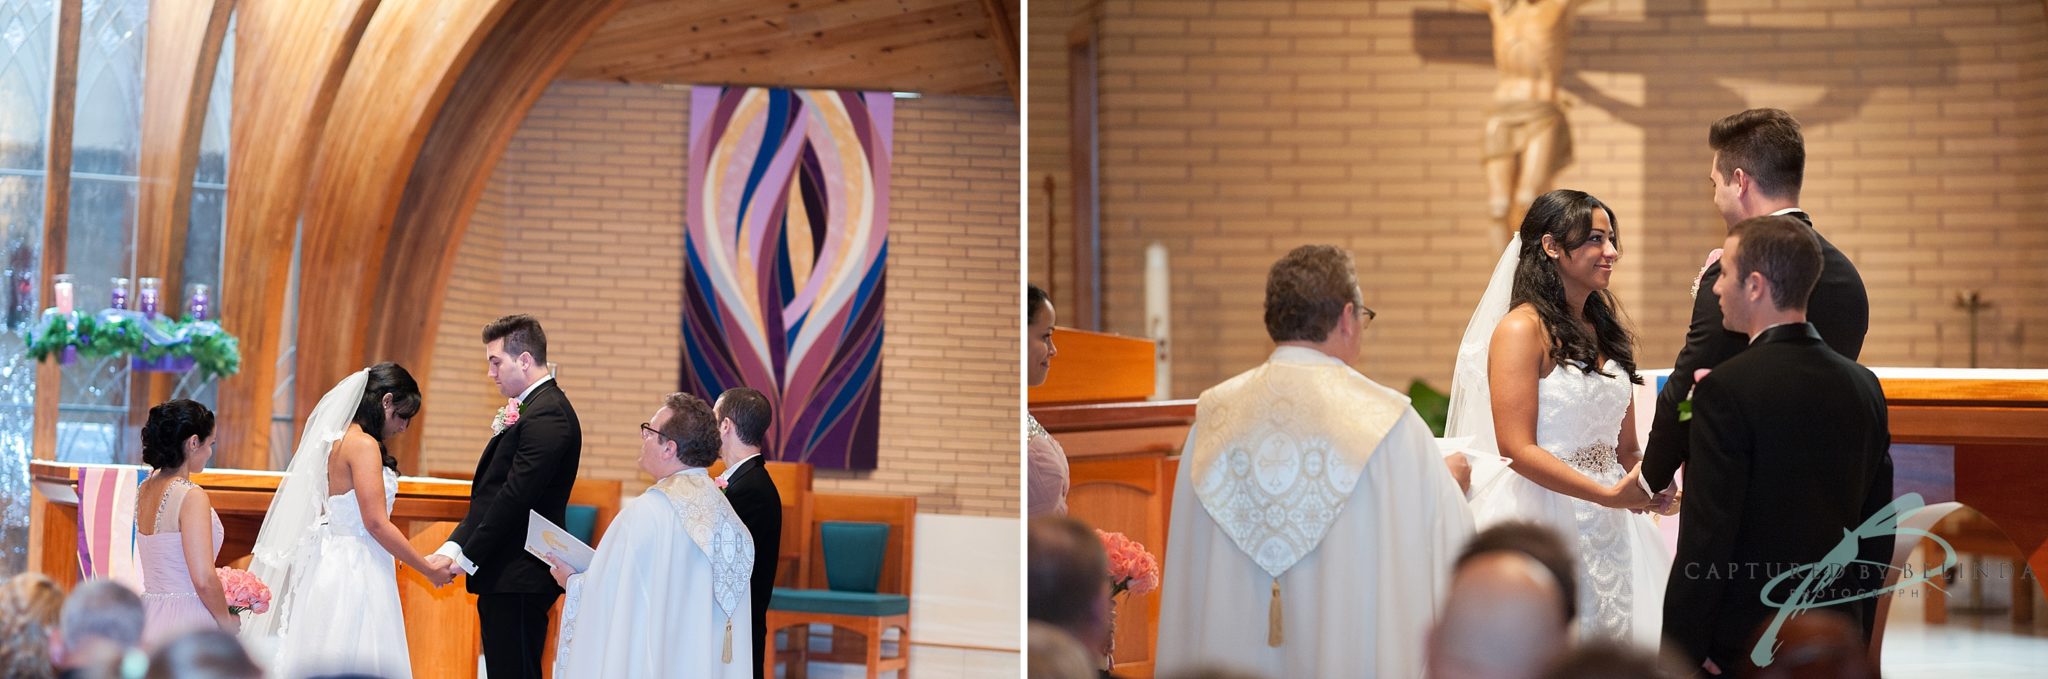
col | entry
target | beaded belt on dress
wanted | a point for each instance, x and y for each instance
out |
(170, 595)
(1591, 458)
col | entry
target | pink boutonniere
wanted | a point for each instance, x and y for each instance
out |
(507, 416)
(1712, 257)
(1685, 406)
(720, 482)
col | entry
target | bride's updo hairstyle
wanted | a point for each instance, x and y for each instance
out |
(169, 426)
(387, 378)
(1567, 217)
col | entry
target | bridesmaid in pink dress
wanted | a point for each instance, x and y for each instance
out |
(180, 533)
(1045, 481)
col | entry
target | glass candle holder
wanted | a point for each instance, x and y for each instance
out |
(118, 297)
(64, 291)
(146, 297)
(199, 302)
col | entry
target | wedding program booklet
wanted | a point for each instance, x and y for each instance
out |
(544, 539)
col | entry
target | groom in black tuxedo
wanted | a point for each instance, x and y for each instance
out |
(1790, 452)
(529, 464)
(1759, 164)
(743, 418)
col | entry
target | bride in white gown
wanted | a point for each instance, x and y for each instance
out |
(1563, 430)
(327, 543)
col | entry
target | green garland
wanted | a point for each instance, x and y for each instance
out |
(215, 355)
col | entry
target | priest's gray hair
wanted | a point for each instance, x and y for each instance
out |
(693, 428)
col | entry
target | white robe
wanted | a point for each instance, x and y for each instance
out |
(1359, 599)
(667, 589)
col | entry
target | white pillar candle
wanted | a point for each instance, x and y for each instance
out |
(1159, 318)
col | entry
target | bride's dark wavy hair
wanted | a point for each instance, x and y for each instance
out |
(387, 378)
(1567, 217)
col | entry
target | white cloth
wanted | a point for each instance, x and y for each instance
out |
(729, 469)
(667, 591)
(1623, 563)
(299, 504)
(544, 379)
(350, 621)
(1360, 584)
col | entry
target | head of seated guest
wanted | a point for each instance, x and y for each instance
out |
(29, 604)
(100, 622)
(1817, 643)
(1509, 609)
(1313, 301)
(1068, 579)
(205, 654)
(1606, 660)
(1054, 654)
(683, 434)
(1038, 319)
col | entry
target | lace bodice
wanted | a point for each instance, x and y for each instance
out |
(1578, 417)
(344, 517)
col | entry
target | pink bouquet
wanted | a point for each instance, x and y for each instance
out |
(245, 593)
(1131, 568)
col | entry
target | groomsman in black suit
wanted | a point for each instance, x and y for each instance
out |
(743, 418)
(1759, 163)
(1789, 455)
(529, 464)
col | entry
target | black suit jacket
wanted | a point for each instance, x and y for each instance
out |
(1789, 450)
(529, 465)
(1839, 309)
(754, 498)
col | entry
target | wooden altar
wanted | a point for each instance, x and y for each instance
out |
(1974, 437)
(437, 620)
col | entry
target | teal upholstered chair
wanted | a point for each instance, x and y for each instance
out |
(854, 553)
(580, 521)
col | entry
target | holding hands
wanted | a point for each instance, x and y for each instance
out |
(1632, 494)
(440, 570)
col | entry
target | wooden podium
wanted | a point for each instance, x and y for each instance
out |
(440, 623)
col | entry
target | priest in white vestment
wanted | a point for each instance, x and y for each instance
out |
(1315, 524)
(667, 593)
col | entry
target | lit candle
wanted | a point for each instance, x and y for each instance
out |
(63, 293)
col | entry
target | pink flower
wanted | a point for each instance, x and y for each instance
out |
(1712, 257)
(719, 481)
(1131, 568)
(244, 592)
(1701, 374)
(512, 411)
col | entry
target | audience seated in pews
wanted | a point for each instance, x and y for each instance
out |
(1068, 580)
(29, 605)
(1510, 606)
(1817, 644)
(203, 654)
(100, 624)
(1054, 654)
(1607, 660)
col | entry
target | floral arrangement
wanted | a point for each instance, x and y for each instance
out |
(245, 593)
(1685, 406)
(153, 342)
(1131, 568)
(1712, 257)
(507, 416)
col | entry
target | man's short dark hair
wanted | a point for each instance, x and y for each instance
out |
(1536, 542)
(1067, 569)
(1307, 290)
(1785, 251)
(1766, 144)
(522, 334)
(693, 429)
(749, 411)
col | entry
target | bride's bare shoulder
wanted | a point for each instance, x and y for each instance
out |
(1520, 323)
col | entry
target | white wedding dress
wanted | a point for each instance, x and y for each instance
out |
(349, 619)
(1623, 565)
(1622, 562)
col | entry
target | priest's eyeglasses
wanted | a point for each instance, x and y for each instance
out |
(647, 429)
(1365, 316)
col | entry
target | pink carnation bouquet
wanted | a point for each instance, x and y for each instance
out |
(1131, 568)
(245, 593)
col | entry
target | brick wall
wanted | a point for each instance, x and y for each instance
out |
(581, 226)
(1233, 130)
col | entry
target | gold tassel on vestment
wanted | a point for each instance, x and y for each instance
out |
(1274, 633)
(727, 658)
